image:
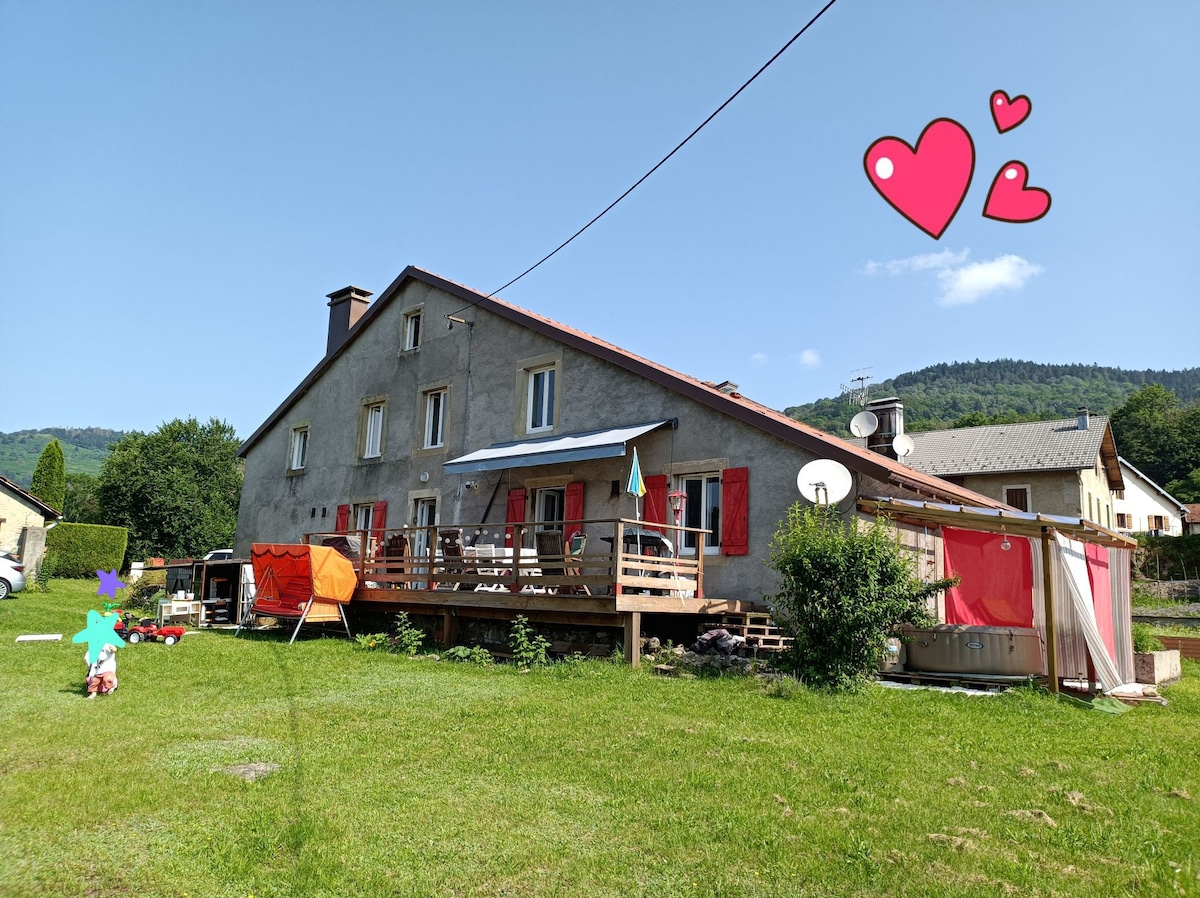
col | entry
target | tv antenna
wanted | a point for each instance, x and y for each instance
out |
(856, 391)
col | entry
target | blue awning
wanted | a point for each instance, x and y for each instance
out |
(552, 450)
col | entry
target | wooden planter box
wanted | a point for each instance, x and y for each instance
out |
(1157, 668)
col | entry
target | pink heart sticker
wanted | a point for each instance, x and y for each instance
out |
(1010, 200)
(926, 185)
(1006, 113)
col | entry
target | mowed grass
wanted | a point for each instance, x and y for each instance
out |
(403, 777)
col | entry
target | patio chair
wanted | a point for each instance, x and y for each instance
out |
(396, 546)
(552, 557)
(578, 544)
(450, 547)
(487, 551)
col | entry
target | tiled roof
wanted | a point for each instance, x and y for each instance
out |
(734, 404)
(1193, 512)
(30, 499)
(999, 448)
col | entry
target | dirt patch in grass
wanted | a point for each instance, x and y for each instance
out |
(252, 771)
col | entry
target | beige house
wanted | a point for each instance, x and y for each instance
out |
(1065, 467)
(22, 519)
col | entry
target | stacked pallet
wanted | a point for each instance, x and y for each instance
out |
(756, 626)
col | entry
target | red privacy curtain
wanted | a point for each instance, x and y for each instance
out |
(1097, 566)
(996, 587)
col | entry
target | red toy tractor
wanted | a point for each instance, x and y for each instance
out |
(149, 631)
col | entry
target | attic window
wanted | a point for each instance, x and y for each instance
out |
(412, 330)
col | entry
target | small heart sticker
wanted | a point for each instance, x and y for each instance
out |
(1006, 113)
(1010, 200)
(926, 185)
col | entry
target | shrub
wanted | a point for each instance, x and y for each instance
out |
(409, 639)
(529, 648)
(144, 594)
(1144, 639)
(79, 550)
(844, 585)
(374, 642)
(474, 655)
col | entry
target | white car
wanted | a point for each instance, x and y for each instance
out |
(219, 555)
(12, 575)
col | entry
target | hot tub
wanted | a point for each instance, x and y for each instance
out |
(958, 648)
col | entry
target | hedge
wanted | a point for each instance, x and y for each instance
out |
(79, 550)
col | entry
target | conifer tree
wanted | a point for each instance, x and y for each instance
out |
(50, 476)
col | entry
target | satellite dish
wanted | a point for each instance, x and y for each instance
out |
(903, 445)
(864, 424)
(824, 481)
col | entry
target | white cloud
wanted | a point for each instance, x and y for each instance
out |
(945, 259)
(759, 358)
(974, 281)
(962, 282)
(810, 358)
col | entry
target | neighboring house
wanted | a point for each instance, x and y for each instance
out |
(1192, 525)
(1145, 507)
(22, 519)
(437, 404)
(1066, 467)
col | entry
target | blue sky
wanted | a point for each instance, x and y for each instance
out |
(181, 185)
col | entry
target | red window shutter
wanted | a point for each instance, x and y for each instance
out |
(735, 511)
(379, 521)
(573, 510)
(515, 513)
(654, 503)
(343, 518)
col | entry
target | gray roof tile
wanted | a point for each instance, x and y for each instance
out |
(997, 448)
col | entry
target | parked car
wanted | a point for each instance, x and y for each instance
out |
(219, 555)
(12, 575)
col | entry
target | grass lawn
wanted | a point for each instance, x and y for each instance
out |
(412, 777)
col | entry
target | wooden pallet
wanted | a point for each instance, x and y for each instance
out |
(756, 626)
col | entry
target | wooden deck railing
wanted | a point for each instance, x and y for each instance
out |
(482, 558)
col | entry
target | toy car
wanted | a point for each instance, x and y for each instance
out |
(149, 631)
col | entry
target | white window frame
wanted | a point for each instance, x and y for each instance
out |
(298, 449)
(363, 514)
(435, 418)
(554, 494)
(547, 407)
(712, 543)
(375, 414)
(412, 330)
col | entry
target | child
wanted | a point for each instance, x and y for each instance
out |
(102, 676)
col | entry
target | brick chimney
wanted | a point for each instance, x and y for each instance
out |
(346, 306)
(890, 413)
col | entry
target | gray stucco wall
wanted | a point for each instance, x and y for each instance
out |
(484, 409)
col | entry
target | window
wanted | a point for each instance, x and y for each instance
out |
(548, 507)
(299, 450)
(412, 330)
(1123, 521)
(1017, 497)
(1158, 522)
(435, 418)
(702, 510)
(373, 430)
(541, 399)
(362, 516)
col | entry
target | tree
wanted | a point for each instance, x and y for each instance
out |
(843, 586)
(82, 503)
(50, 476)
(176, 489)
(1157, 436)
(1186, 489)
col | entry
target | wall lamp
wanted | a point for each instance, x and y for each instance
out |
(452, 320)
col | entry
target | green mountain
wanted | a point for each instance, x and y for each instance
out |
(970, 393)
(84, 450)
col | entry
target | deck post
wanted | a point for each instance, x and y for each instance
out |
(633, 637)
(448, 628)
(1048, 595)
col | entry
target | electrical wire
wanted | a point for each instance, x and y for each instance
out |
(678, 147)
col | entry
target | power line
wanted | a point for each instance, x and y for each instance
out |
(678, 147)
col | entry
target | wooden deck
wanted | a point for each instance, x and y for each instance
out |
(457, 570)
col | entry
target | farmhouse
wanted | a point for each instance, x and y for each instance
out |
(443, 424)
(22, 519)
(1065, 467)
(1145, 507)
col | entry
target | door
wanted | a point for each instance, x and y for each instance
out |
(424, 515)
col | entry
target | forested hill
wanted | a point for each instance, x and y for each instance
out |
(84, 450)
(1003, 391)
